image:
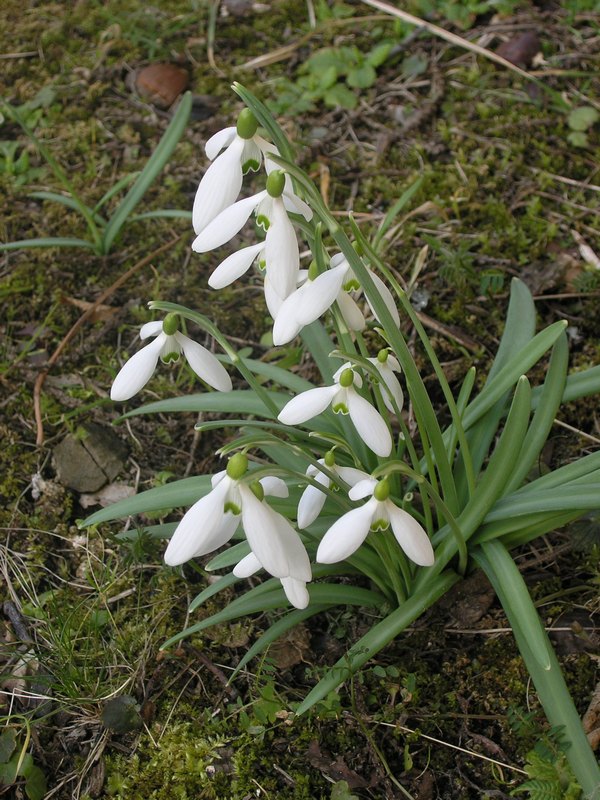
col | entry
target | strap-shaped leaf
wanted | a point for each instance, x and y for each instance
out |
(541, 661)
(47, 241)
(238, 401)
(172, 495)
(155, 164)
(272, 596)
(543, 418)
(379, 636)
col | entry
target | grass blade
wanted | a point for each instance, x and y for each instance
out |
(46, 241)
(155, 164)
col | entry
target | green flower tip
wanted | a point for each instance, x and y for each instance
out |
(357, 248)
(382, 490)
(276, 183)
(313, 271)
(257, 490)
(171, 324)
(347, 378)
(246, 124)
(382, 355)
(329, 459)
(237, 466)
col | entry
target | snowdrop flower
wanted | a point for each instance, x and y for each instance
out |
(275, 546)
(281, 252)
(387, 365)
(212, 521)
(308, 303)
(352, 314)
(222, 181)
(313, 499)
(347, 534)
(167, 345)
(344, 399)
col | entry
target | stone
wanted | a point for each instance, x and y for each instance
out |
(161, 84)
(90, 460)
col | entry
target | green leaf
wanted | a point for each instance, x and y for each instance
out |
(212, 589)
(172, 495)
(361, 77)
(35, 784)
(379, 54)
(328, 78)
(164, 213)
(270, 595)
(578, 139)
(582, 118)
(340, 95)
(394, 210)
(68, 201)
(115, 189)
(414, 65)
(543, 419)
(46, 241)
(378, 637)
(155, 164)
(239, 401)
(8, 743)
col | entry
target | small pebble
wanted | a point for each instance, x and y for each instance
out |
(161, 84)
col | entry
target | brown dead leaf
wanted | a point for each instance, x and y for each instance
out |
(101, 312)
(591, 719)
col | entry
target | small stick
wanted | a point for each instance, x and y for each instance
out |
(37, 389)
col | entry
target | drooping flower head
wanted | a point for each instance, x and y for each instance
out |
(386, 365)
(168, 345)
(348, 533)
(222, 181)
(313, 498)
(280, 251)
(344, 399)
(211, 522)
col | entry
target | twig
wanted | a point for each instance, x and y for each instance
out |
(37, 389)
(453, 38)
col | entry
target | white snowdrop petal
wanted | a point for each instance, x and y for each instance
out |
(218, 141)
(345, 536)
(296, 592)
(386, 296)
(294, 204)
(204, 364)
(286, 324)
(369, 424)
(248, 566)
(218, 477)
(251, 154)
(151, 329)
(219, 187)
(198, 526)
(298, 560)
(220, 536)
(353, 316)
(393, 387)
(225, 226)
(282, 255)
(137, 371)
(307, 405)
(311, 502)
(362, 488)
(351, 475)
(261, 528)
(410, 535)
(318, 295)
(273, 486)
(337, 259)
(272, 299)
(234, 266)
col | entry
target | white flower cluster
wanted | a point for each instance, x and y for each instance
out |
(295, 298)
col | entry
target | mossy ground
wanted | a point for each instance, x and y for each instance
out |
(502, 192)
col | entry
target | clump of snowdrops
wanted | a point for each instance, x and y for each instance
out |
(323, 481)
